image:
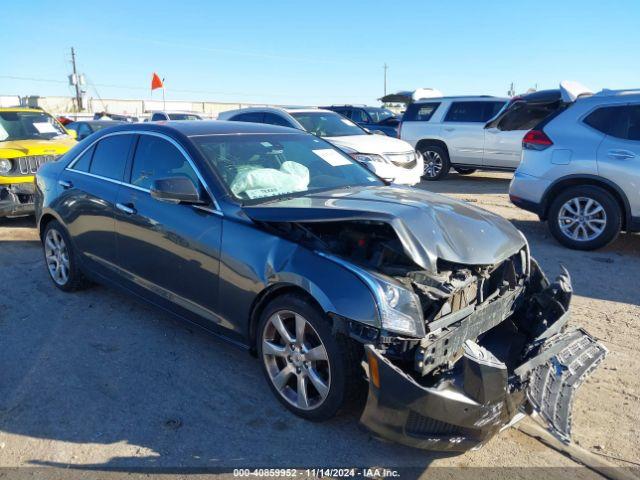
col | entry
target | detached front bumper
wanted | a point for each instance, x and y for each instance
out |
(481, 395)
(16, 200)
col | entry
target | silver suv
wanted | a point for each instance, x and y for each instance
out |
(449, 132)
(580, 170)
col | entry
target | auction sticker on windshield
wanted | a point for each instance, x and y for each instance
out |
(44, 127)
(332, 157)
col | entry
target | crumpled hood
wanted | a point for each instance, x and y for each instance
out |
(430, 226)
(20, 148)
(377, 144)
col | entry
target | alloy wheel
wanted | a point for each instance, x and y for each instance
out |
(57, 256)
(582, 219)
(296, 360)
(432, 164)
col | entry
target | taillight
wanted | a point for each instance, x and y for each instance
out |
(536, 140)
(399, 129)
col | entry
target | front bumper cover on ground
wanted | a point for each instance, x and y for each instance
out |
(483, 396)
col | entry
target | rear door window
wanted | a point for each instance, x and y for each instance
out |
(156, 158)
(621, 121)
(472, 111)
(255, 117)
(110, 156)
(420, 112)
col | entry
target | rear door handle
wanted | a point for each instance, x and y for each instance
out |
(128, 209)
(65, 184)
(620, 154)
(449, 129)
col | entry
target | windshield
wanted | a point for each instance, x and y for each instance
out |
(327, 124)
(256, 168)
(379, 115)
(183, 116)
(28, 126)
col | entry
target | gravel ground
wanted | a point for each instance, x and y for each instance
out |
(98, 379)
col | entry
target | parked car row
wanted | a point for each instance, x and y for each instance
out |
(344, 285)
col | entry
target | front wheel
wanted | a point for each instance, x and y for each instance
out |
(585, 218)
(313, 372)
(436, 162)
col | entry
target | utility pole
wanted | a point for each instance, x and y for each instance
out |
(385, 67)
(76, 80)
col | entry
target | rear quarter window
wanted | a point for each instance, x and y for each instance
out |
(420, 112)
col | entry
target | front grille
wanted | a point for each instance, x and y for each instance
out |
(404, 160)
(419, 426)
(29, 165)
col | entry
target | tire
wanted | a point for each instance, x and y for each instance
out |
(585, 218)
(436, 162)
(341, 373)
(465, 171)
(58, 250)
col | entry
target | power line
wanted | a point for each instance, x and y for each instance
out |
(206, 92)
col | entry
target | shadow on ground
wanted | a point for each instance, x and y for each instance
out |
(145, 390)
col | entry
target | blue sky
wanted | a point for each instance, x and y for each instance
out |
(297, 52)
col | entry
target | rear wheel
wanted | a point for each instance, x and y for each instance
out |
(436, 162)
(465, 171)
(60, 258)
(313, 372)
(585, 218)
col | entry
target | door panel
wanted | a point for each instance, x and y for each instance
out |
(171, 252)
(88, 210)
(465, 142)
(502, 148)
(619, 161)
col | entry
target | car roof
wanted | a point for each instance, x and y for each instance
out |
(100, 122)
(192, 128)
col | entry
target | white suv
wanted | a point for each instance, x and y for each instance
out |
(387, 157)
(580, 170)
(449, 132)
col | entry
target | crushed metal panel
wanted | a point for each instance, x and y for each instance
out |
(552, 385)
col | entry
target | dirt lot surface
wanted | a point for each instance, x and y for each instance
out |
(99, 379)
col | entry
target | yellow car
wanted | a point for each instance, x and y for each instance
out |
(28, 138)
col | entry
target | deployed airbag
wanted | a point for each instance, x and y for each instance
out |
(267, 182)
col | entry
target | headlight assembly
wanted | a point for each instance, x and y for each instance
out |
(368, 158)
(399, 307)
(5, 166)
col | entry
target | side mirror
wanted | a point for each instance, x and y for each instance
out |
(73, 134)
(176, 190)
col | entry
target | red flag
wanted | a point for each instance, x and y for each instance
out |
(156, 82)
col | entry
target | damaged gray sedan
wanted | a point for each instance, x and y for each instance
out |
(344, 286)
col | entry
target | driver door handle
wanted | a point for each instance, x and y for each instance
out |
(128, 208)
(449, 129)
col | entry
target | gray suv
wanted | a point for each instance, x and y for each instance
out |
(580, 170)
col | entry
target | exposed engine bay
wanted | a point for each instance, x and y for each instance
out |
(494, 345)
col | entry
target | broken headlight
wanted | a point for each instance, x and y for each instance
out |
(399, 307)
